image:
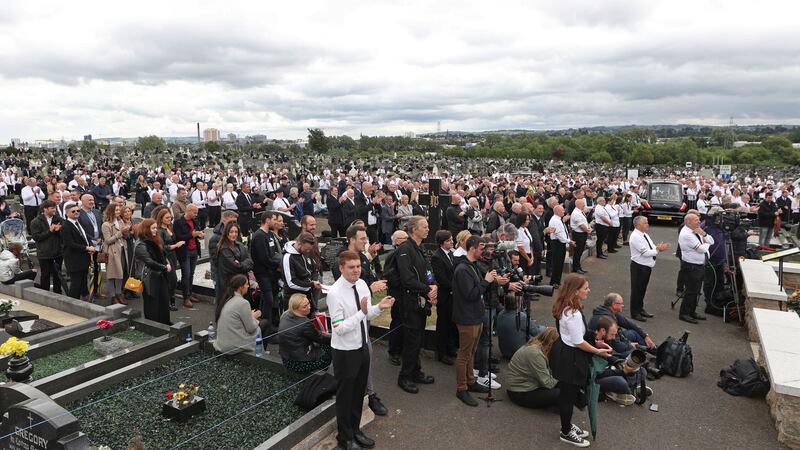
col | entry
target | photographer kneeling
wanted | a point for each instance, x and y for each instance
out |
(630, 335)
(302, 347)
(622, 378)
(514, 324)
(530, 383)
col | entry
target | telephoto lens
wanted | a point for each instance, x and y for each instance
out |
(635, 359)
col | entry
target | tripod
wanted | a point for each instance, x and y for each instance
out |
(489, 399)
(731, 261)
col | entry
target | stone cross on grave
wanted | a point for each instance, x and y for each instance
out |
(436, 203)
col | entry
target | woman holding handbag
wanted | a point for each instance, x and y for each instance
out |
(164, 221)
(150, 254)
(115, 246)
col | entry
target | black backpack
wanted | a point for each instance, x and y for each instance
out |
(674, 356)
(744, 377)
(316, 390)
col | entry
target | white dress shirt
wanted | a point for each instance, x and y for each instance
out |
(643, 250)
(212, 198)
(199, 198)
(576, 220)
(229, 200)
(600, 213)
(524, 239)
(613, 214)
(702, 206)
(694, 249)
(560, 233)
(30, 197)
(346, 315)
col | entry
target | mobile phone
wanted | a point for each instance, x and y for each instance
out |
(654, 407)
(328, 324)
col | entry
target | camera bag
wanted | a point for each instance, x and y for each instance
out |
(744, 377)
(674, 357)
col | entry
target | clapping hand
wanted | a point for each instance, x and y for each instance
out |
(386, 302)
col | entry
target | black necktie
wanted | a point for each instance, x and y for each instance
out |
(648, 243)
(360, 324)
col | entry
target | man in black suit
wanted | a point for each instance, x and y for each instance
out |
(91, 219)
(348, 209)
(496, 217)
(443, 267)
(78, 251)
(246, 207)
(46, 232)
(456, 218)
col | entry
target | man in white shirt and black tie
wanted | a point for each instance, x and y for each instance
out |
(694, 244)
(199, 197)
(643, 259)
(559, 239)
(350, 306)
(32, 197)
(580, 232)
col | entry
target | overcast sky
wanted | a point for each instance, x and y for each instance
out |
(387, 67)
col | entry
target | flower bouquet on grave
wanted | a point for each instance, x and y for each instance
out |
(7, 305)
(106, 326)
(183, 403)
(19, 365)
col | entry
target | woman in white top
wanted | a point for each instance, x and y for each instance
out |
(625, 210)
(570, 357)
(796, 208)
(524, 240)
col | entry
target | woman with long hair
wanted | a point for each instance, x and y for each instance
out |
(115, 246)
(233, 257)
(570, 356)
(164, 221)
(142, 190)
(150, 253)
(303, 348)
(529, 382)
(237, 324)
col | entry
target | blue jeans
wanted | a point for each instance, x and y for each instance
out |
(482, 350)
(188, 264)
(623, 349)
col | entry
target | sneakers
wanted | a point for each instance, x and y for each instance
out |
(573, 438)
(648, 390)
(476, 374)
(621, 399)
(488, 382)
(581, 433)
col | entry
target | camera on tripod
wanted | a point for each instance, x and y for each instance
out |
(728, 221)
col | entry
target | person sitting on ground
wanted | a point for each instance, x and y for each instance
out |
(630, 335)
(237, 324)
(10, 271)
(529, 382)
(511, 333)
(303, 348)
(618, 381)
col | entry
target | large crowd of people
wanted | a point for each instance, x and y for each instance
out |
(500, 231)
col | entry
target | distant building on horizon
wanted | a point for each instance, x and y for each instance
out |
(211, 135)
(258, 138)
(231, 137)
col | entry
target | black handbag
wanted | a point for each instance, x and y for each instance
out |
(315, 391)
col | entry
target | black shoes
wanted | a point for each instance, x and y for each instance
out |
(466, 398)
(421, 378)
(647, 314)
(602, 257)
(612, 251)
(447, 360)
(639, 317)
(172, 307)
(687, 318)
(479, 388)
(363, 440)
(408, 386)
(395, 360)
(349, 445)
(581, 271)
(376, 406)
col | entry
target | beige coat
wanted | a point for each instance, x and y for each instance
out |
(114, 244)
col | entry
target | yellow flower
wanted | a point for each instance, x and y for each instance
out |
(181, 386)
(180, 395)
(14, 346)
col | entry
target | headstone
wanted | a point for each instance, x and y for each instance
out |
(435, 203)
(41, 424)
(107, 347)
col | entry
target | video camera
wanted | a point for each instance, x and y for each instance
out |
(728, 221)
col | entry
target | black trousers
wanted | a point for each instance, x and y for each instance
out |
(50, 268)
(202, 217)
(567, 398)
(611, 239)
(539, 398)
(30, 213)
(214, 215)
(396, 337)
(602, 235)
(414, 322)
(580, 246)
(693, 276)
(627, 226)
(548, 258)
(265, 286)
(78, 283)
(559, 250)
(640, 277)
(446, 331)
(350, 367)
(23, 275)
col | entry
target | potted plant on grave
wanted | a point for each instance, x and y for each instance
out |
(183, 403)
(106, 326)
(19, 365)
(6, 306)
